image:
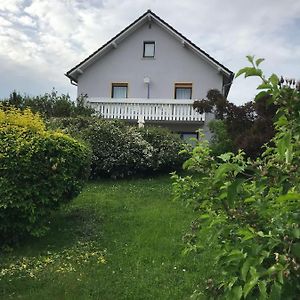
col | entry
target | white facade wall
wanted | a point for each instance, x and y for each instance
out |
(173, 63)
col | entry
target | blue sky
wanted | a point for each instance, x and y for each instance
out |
(40, 39)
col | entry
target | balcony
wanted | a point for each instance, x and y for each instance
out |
(166, 110)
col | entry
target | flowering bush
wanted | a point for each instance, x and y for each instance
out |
(39, 170)
(118, 150)
(121, 150)
(166, 148)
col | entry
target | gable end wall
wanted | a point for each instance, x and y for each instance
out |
(172, 63)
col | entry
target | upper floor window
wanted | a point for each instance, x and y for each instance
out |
(183, 90)
(119, 90)
(149, 49)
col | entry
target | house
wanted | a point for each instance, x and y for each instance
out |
(150, 73)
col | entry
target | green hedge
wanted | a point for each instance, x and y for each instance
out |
(166, 147)
(120, 150)
(39, 170)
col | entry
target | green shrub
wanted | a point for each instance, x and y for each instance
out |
(39, 170)
(118, 150)
(166, 148)
(121, 150)
(220, 141)
(249, 211)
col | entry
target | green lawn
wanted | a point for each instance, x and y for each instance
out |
(117, 240)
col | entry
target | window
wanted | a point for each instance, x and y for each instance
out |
(188, 137)
(183, 91)
(149, 49)
(119, 90)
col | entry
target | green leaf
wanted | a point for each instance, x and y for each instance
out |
(251, 283)
(223, 169)
(243, 71)
(250, 58)
(233, 189)
(245, 269)
(289, 197)
(262, 290)
(253, 72)
(237, 293)
(261, 95)
(296, 233)
(226, 156)
(275, 292)
(247, 234)
(280, 276)
(274, 80)
(296, 250)
(259, 61)
(273, 269)
(264, 86)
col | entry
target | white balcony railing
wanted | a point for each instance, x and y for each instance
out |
(146, 109)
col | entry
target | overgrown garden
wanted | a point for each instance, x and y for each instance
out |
(243, 188)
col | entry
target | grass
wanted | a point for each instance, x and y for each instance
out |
(117, 240)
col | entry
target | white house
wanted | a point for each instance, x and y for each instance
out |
(150, 73)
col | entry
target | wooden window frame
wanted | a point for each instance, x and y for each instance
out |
(144, 47)
(183, 85)
(119, 84)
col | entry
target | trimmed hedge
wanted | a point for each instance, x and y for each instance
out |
(39, 170)
(120, 150)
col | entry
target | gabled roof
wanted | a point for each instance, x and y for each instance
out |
(76, 71)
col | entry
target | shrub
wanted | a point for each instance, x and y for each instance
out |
(121, 150)
(166, 148)
(118, 150)
(39, 170)
(220, 141)
(249, 211)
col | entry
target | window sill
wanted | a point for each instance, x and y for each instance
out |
(148, 58)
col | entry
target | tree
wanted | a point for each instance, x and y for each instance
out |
(249, 126)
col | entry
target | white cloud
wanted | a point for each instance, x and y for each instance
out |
(26, 21)
(10, 5)
(49, 37)
(4, 22)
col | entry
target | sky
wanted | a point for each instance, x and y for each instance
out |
(40, 40)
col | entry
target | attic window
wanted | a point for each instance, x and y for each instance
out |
(149, 49)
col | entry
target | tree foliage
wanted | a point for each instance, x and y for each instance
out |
(249, 126)
(249, 210)
(50, 104)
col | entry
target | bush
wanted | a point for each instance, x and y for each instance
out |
(39, 170)
(166, 148)
(220, 141)
(249, 211)
(121, 150)
(118, 150)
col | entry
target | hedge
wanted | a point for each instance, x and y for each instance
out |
(39, 171)
(121, 150)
